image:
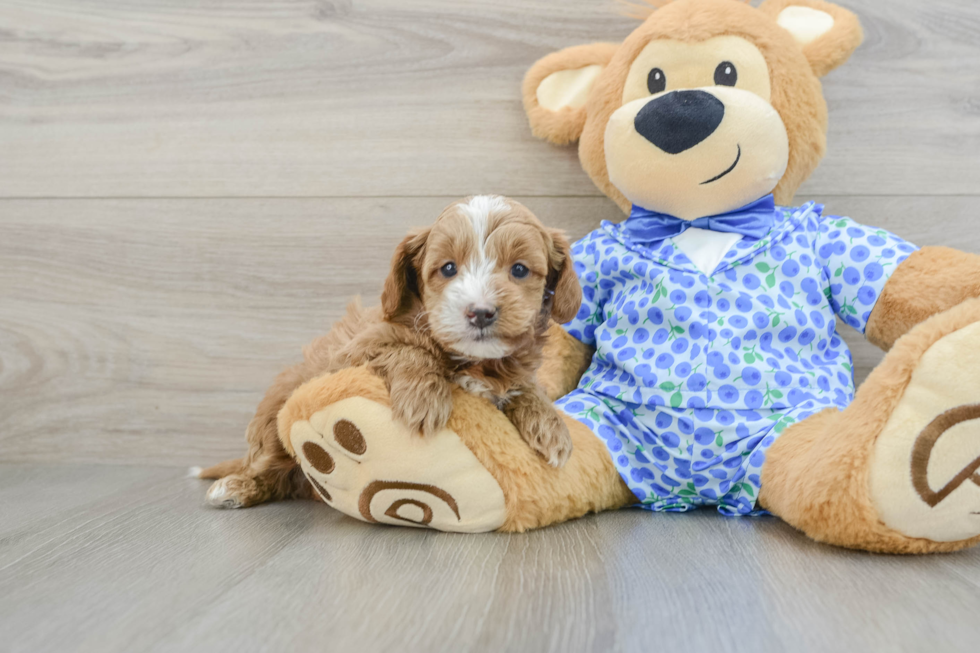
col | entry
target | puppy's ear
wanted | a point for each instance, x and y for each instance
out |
(557, 87)
(828, 34)
(562, 279)
(402, 287)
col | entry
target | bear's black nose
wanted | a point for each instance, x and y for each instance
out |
(679, 120)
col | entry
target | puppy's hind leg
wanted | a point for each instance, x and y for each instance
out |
(267, 472)
(272, 480)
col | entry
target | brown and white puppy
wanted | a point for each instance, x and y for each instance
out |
(468, 302)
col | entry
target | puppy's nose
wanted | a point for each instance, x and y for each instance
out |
(481, 316)
(679, 120)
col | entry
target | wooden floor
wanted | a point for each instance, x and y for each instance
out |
(190, 190)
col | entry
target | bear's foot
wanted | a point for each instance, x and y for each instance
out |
(898, 471)
(475, 475)
(371, 467)
(925, 473)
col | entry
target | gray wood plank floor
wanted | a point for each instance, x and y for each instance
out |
(190, 191)
(124, 558)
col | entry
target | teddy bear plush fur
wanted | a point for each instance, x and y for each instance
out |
(896, 468)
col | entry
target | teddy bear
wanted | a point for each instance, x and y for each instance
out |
(704, 369)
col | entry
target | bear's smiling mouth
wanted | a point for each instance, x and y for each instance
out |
(730, 168)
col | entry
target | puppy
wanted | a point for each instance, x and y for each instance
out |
(467, 302)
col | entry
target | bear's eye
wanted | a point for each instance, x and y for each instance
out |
(519, 270)
(725, 74)
(657, 81)
(448, 270)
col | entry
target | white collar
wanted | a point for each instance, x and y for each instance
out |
(706, 249)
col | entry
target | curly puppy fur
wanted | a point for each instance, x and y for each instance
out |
(468, 301)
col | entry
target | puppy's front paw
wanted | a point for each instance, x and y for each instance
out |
(424, 405)
(546, 433)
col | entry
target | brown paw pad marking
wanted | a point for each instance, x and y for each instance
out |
(392, 511)
(319, 488)
(373, 488)
(924, 445)
(318, 457)
(349, 437)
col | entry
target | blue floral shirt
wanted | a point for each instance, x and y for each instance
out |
(695, 375)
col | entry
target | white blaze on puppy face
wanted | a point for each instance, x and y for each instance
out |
(473, 284)
(484, 237)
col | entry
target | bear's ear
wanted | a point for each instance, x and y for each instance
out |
(827, 33)
(557, 87)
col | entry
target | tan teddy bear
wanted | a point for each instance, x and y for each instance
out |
(704, 368)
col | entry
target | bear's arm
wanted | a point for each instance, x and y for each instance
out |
(565, 361)
(929, 281)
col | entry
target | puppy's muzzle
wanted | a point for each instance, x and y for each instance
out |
(679, 120)
(481, 316)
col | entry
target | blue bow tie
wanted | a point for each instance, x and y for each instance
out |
(754, 220)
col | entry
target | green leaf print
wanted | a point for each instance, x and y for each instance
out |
(762, 267)
(771, 279)
(667, 386)
(675, 399)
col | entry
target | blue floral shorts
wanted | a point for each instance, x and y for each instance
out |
(678, 459)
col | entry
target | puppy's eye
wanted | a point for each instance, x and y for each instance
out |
(519, 270)
(448, 270)
(656, 81)
(725, 74)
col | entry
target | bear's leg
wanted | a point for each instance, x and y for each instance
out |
(897, 471)
(475, 475)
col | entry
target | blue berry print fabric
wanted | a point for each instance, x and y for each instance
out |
(695, 376)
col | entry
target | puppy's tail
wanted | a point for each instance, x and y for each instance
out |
(221, 469)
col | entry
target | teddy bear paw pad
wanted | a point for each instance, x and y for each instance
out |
(365, 464)
(925, 475)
